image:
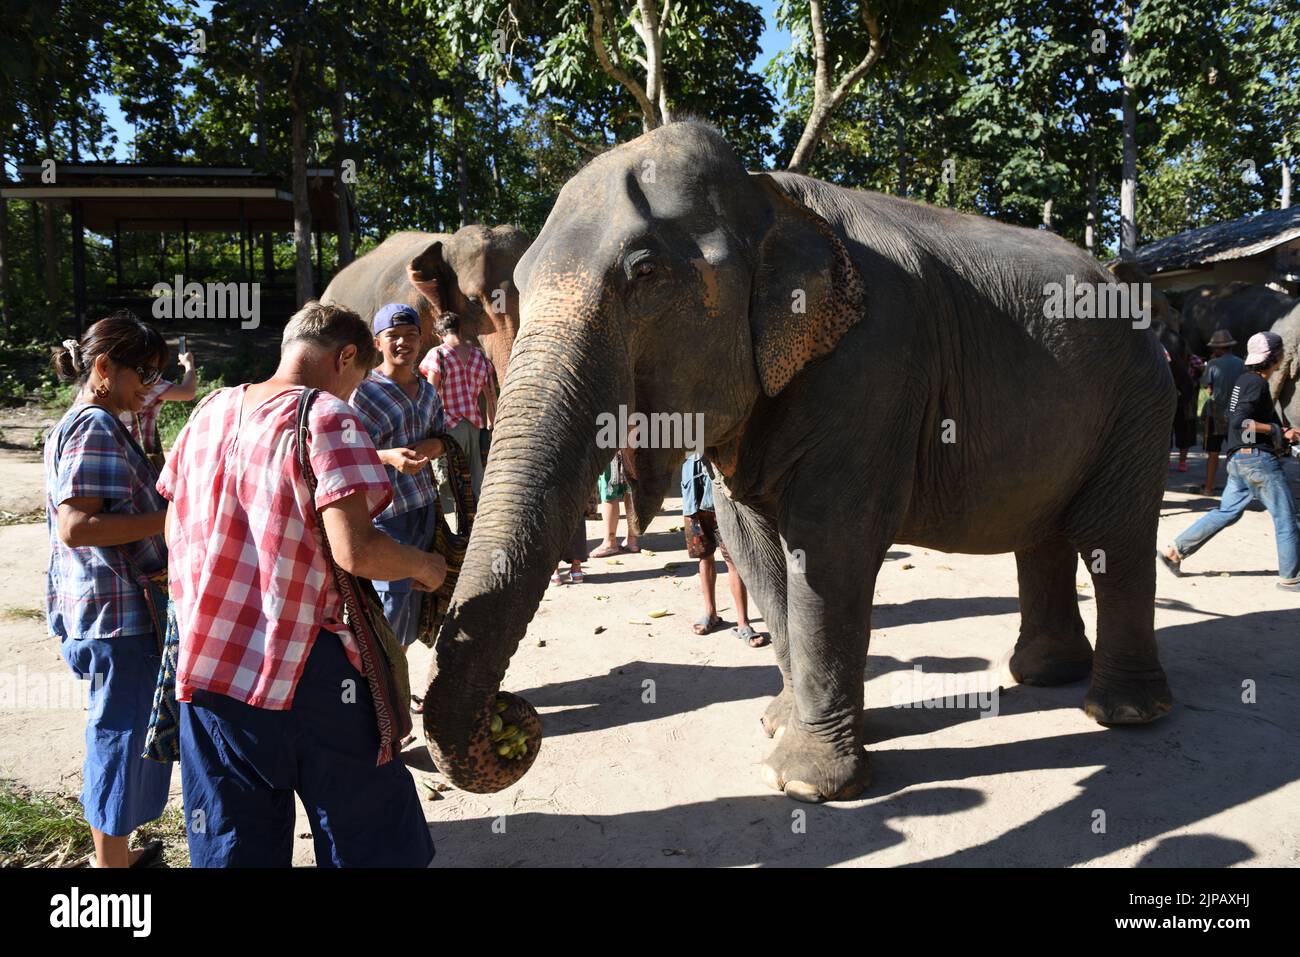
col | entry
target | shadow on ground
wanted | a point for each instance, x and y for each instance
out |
(1213, 753)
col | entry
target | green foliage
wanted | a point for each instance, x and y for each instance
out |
(172, 416)
(480, 110)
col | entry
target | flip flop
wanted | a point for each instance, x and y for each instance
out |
(557, 578)
(632, 549)
(575, 577)
(417, 705)
(707, 622)
(151, 855)
(605, 551)
(1170, 564)
(747, 634)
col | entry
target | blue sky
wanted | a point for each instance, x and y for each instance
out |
(772, 41)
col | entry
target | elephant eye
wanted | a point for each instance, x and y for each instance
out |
(640, 264)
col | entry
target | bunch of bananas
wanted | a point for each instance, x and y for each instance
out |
(510, 742)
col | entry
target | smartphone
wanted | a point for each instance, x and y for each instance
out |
(182, 348)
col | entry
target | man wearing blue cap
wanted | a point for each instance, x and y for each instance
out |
(401, 411)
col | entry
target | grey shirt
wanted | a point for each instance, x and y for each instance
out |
(1220, 376)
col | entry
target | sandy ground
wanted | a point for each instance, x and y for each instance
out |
(671, 779)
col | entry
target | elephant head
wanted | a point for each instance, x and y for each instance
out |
(471, 273)
(666, 280)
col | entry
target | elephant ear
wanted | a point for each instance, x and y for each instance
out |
(426, 272)
(806, 293)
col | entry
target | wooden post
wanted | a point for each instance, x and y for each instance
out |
(117, 253)
(243, 228)
(185, 230)
(268, 257)
(79, 303)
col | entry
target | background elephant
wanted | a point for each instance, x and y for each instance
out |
(1241, 308)
(870, 370)
(1285, 382)
(469, 272)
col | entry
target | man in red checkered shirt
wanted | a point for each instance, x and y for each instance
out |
(270, 678)
(460, 372)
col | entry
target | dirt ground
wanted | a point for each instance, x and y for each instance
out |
(626, 777)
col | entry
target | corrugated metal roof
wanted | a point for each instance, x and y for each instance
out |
(1235, 239)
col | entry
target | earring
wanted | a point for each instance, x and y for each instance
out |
(102, 389)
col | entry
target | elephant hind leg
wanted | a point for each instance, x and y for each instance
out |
(1052, 648)
(1117, 541)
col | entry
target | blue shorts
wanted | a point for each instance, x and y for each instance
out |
(241, 766)
(401, 603)
(120, 789)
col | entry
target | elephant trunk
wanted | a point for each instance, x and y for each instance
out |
(544, 463)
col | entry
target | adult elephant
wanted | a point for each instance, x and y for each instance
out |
(870, 370)
(1285, 382)
(1241, 308)
(469, 272)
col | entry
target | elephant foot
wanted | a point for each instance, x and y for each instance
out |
(778, 712)
(813, 770)
(1051, 660)
(1128, 699)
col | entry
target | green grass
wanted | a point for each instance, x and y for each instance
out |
(22, 614)
(33, 827)
(42, 830)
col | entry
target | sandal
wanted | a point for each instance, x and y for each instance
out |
(151, 855)
(575, 576)
(417, 704)
(557, 578)
(1170, 563)
(748, 634)
(631, 549)
(705, 624)
(606, 551)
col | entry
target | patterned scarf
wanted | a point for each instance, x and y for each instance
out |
(383, 660)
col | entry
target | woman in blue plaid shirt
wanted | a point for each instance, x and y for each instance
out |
(105, 522)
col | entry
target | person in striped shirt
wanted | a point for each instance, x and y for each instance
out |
(402, 413)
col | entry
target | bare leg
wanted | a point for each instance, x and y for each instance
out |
(1211, 467)
(609, 544)
(112, 851)
(629, 542)
(708, 583)
(739, 597)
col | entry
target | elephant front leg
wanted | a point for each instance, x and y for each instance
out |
(755, 546)
(820, 756)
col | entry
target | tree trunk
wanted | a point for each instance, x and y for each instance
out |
(1286, 183)
(900, 140)
(340, 187)
(825, 99)
(1090, 228)
(301, 205)
(4, 246)
(1128, 184)
(259, 100)
(458, 147)
(1047, 216)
